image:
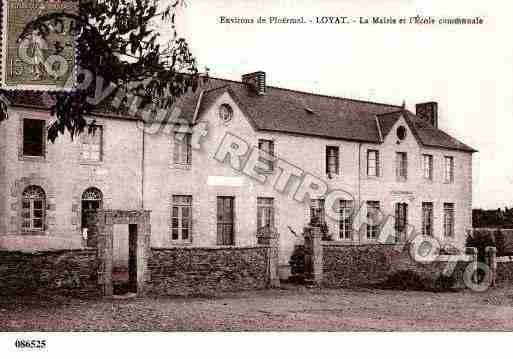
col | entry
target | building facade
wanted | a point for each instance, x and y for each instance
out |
(236, 161)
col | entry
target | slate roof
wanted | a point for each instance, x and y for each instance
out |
(290, 111)
(425, 133)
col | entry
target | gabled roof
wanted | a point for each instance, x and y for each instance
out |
(289, 111)
(297, 112)
(423, 131)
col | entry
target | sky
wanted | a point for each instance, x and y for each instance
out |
(467, 69)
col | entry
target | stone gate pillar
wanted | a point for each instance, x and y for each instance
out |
(313, 255)
(274, 258)
(491, 261)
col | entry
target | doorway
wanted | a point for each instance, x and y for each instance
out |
(135, 224)
(124, 270)
(401, 220)
(92, 201)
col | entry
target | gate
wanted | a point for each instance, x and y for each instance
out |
(101, 233)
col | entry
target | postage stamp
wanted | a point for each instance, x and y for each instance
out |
(37, 62)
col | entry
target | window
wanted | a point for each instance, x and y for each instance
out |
(317, 214)
(225, 221)
(33, 209)
(373, 219)
(401, 220)
(401, 133)
(427, 219)
(427, 166)
(92, 142)
(346, 219)
(448, 220)
(332, 160)
(267, 146)
(373, 163)
(33, 137)
(183, 149)
(401, 166)
(265, 212)
(449, 169)
(225, 113)
(181, 219)
(92, 199)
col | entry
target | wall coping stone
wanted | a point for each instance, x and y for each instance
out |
(352, 244)
(454, 258)
(49, 251)
(505, 259)
(210, 248)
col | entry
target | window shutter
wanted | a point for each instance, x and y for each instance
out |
(337, 158)
(189, 148)
(405, 168)
(327, 160)
(397, 166)
(176, 150)
(259, 217)
(377, 164)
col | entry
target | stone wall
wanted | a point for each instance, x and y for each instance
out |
(504, 274)
(356, 265)
(65, 272)
(203, 271)
(370, 265)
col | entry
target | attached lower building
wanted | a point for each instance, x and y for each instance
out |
(236, 162)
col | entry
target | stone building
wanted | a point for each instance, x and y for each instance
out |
(236, 159)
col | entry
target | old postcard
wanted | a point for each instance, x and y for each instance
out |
(256, 166)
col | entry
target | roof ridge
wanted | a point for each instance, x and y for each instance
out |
(313, 94)
(216, 88)
(390, 112)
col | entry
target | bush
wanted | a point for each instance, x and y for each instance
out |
(480, 240)
(297, 260)
(503, 243)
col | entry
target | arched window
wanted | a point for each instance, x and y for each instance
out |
(33, 209)
(92, 199)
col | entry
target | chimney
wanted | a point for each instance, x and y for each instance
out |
(256, 81)
(428, 111)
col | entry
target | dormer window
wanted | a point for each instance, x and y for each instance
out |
(266, 146)
(332, 161)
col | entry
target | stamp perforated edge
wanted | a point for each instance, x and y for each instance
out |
(3, 63)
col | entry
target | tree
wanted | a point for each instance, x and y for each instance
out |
(119, 46)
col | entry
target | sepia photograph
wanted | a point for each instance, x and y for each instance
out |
(284, 168)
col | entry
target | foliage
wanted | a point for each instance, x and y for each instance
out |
(119, 42)
(325, 231)
(483, 238)
(495, 218)
(480, 240)
(297, 262)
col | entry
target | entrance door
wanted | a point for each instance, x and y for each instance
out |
(225, 221)
(132, 258)
(401, 220)
(91, 200)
